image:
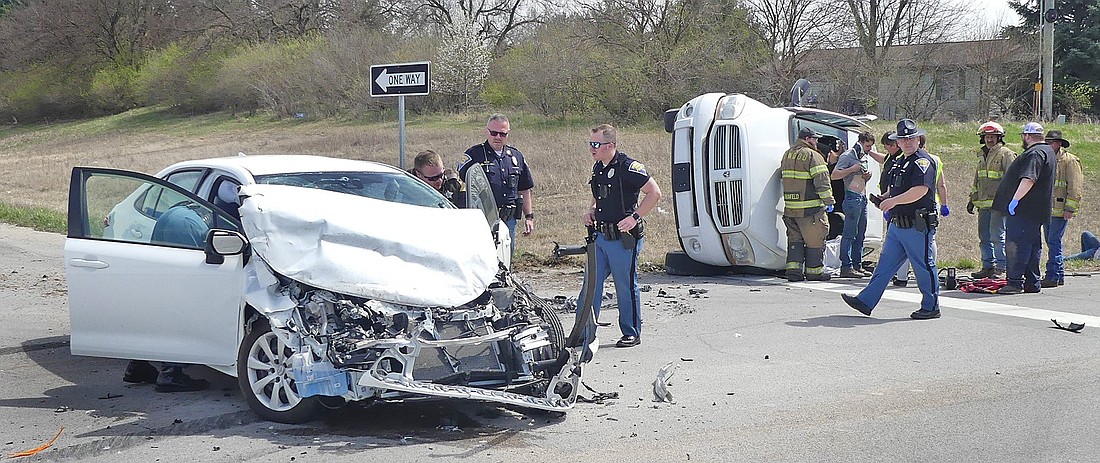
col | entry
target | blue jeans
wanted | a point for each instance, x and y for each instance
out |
(903, 244)
(1089, 245)
(1054, 232)
(622, 264)
(855, 230)
(991, 235)
(511, 223)
(1024, 247)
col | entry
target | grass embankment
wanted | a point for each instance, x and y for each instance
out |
(37, 160)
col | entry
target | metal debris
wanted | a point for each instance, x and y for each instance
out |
(660, 385)
(1071, 327)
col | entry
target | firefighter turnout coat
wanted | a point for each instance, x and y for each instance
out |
(1068, 182)
(992, 164)
(806, 187)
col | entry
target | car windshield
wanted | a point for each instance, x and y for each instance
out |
(387, 186)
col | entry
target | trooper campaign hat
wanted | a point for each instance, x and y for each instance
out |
(1057, 135)
(808, 132)
(907, 128)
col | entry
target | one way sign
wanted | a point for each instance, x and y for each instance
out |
(400, 79)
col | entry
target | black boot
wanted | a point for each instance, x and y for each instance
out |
(140, 371)
(173, 379)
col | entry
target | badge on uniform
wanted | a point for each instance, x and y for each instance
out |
(637, 168)
(923, 164)
(610, 172)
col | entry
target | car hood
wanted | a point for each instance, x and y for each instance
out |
(370, 248)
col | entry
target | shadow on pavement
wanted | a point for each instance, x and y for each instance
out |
(118, 415)
(842, 321)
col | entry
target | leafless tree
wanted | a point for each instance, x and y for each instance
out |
(789, 29)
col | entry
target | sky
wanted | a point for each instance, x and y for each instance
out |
(998, 11)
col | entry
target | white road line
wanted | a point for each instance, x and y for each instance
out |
(960, 304)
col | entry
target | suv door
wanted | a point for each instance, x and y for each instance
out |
(149, 296)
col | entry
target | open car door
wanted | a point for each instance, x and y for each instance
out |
(151, 295)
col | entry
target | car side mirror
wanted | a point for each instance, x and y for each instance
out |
(221, 243)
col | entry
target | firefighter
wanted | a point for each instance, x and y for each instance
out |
(993, 160)
(808, 198)
(1068, 182)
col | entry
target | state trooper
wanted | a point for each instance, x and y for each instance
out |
(1069, 181)
(993, 160)
(807, 200)
(616, 215)
(910, 205)
(507, 172)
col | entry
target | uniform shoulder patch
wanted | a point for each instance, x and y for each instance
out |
(637, 168)
(923, 164)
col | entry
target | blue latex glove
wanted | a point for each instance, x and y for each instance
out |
(829, 208)
(886, 215)
(1012, 206)
(944, 210)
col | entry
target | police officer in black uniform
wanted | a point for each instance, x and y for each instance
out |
(911, 207)
(507, 172)
(616, 215)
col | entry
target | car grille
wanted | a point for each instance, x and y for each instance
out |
(727, 185)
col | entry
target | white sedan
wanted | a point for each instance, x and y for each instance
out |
(312, 280)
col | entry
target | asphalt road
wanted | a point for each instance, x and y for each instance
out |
(765, 371)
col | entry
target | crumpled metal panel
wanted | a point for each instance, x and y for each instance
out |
(375, 249)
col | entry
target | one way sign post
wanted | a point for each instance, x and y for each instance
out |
(407, 79)
(400, 80)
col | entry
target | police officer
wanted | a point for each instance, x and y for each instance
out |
(1024, 196)
(428, 167)
(807, 200)
(507, 172)
(911, 207)
(616, 215)
(993, 160)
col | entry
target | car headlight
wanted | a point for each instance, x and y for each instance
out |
(730, 106)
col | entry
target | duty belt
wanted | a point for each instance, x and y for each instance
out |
(610, 230)
(903, 221)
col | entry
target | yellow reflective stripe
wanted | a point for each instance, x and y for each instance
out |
(819, 169)
(797, 174)
(804, 204)
(990, 174)
(1061, 183)
(984, 204)
(794, 266)
(1071, 204)
(815, 270)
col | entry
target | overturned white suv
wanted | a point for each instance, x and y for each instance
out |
(313, 281)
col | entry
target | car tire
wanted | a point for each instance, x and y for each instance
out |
(678, 263)
(265, 382)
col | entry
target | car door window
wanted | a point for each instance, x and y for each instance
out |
(132, 207)
(187, 179)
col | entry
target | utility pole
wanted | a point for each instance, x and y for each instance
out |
(1047, 16)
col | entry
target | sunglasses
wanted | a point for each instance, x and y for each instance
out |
(432, 178)
(497, 134)
(597, 144)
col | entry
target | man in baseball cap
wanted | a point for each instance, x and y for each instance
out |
(1025, 196)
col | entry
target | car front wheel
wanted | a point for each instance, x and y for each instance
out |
(263, 373)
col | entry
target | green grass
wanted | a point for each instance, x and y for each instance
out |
(38, 218)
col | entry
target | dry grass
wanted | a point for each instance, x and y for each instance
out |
(36, 167)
